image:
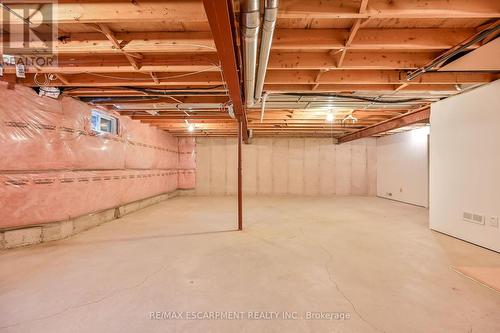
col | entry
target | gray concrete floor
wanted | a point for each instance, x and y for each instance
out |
(372, 258)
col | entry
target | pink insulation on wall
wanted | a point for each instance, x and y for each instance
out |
(54, 167)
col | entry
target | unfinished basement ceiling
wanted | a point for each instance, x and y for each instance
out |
(159, 62)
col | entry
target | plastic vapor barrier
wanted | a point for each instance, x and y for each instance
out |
(53, 166)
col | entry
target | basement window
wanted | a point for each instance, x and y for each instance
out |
(102, 122)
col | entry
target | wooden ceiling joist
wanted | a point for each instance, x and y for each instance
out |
(143, 42)
(112, 92)
(354, 78)
(164, 100)
(137, 79)
(114, 63)
(111, 11)
(349, 9)
(352, 60)
(189, 49)
(370, 39)
(373, 77)
(285, 39)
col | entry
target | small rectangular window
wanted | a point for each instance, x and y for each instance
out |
(103, 123)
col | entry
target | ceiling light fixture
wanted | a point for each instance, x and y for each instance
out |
(330, 117)
(190, 127)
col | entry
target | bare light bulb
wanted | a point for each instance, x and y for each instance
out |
(329, 117)
(190, 127)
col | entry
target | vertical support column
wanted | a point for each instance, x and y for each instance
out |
(240, 182)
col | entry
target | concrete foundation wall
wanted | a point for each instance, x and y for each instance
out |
(287, 166)
(30, 235)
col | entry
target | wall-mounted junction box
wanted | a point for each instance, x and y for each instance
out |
(493, 221)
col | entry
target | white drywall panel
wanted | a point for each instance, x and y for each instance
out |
(465, 165)
(403, 167)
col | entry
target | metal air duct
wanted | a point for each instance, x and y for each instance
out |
(250, 20)
(270, 16)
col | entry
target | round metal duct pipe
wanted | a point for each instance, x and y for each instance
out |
(250, 20)
(270, 16)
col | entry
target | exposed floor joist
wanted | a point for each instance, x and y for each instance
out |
(350, 47)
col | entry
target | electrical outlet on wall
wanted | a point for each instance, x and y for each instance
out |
(493, 221)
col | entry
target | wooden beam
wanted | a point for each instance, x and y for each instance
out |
(353, 60)
(352, 33)
(221, 18)
(131, 42)
(182, 62)
(152, 42)
(349, 9)
(339, 87)
(373, 77)
(182, 117)
(274, 78)
(136, 79)
(62, 78)
(286, 39)
(410, 118)
(116, 63)
(116, 12)
(166, 100)
(111, 92)
(110, 35)
(318, 76)
(154, 77)
(371, 39)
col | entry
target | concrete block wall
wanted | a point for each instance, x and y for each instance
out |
(297, 166)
